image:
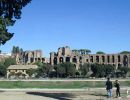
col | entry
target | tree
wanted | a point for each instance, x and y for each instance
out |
(20, 50)
(66, 69)
(125, 52)
(43, 69)
(4, 34)
(124, 70)
(10, 11)
(2, 69)
(61, 72)
(77, 74)
(84, 51)
(30, 72)
(38, 63)
(4, 64)
(84, 69)
(70, 69)
(87, 51)
(109, 70)
(100, 70)
(75, 51)
(9, 61)
(100, 52)
(16, 50)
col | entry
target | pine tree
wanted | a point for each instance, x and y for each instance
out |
(10, 11)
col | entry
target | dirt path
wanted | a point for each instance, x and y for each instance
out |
(12, 95)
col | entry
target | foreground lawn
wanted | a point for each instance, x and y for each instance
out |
(55, 84)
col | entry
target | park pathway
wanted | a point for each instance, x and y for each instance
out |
(58, 94)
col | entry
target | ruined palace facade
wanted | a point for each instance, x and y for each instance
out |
(65, 54)
(30, 57)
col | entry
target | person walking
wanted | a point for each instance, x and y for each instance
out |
(109, 87)
(117, 85)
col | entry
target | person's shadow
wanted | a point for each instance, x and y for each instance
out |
(59, 96)
(1, 91)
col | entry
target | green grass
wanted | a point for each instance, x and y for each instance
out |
(55, 84)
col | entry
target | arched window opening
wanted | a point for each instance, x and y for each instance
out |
(74, 60)
(55, 61)
(67, 59)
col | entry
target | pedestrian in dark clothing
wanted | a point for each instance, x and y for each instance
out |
(109, 87)
(117, 85)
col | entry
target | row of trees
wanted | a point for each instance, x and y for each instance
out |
(103, 70)
(67, 70)
(81, 51)
(46, 70)
(16, 49)
(86, 51)
(4, 64)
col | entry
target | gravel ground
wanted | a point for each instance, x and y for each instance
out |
(51, 95)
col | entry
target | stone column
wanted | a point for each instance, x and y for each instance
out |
(77, 66)
(116, 61)
(8, 74)
(77, 58)
(110, 59)
(100, 59)
(64, 59)
(70, 59)
(121, 60)
(94, 59)
(129, 61)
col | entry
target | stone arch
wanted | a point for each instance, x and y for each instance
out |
(119, 58)
(113, 58)
(87, 60)
(36, 59)
(39, 59)
(125, 60)
(61, 60)
(74, 60)
(91, 58)
(103, 59)
(119, 65)
(108, 59)
(55, 61)
(67, 59)
(31, 59)
(43, 59)
(97, 59)
(80, 58)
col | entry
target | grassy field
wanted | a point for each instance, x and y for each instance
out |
(56, 84)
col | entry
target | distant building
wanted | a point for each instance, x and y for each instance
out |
(64, 54)
(4, 56)
(15, 69)
(30, 57)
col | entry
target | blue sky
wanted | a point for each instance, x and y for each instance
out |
(92, 24)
